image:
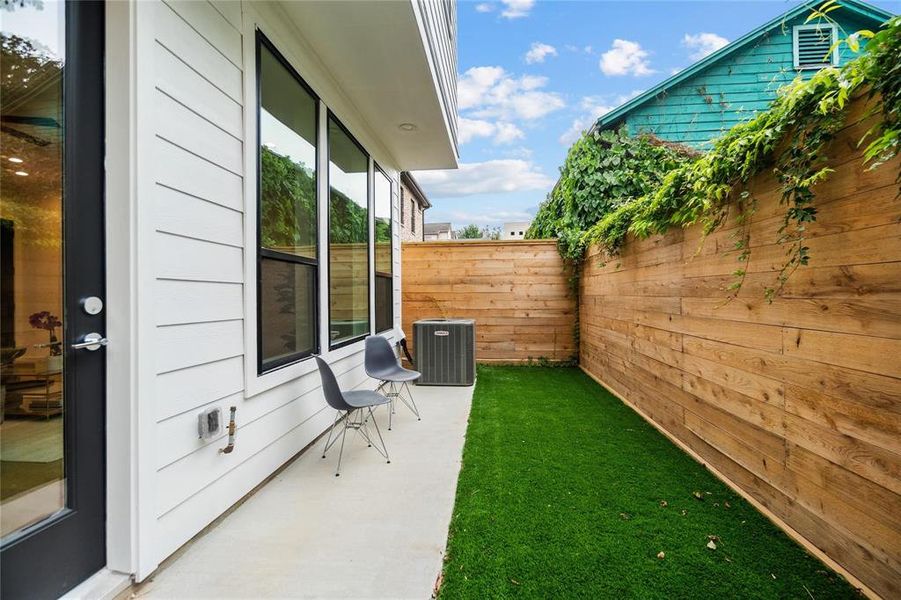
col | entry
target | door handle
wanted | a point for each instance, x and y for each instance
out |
(92, 342)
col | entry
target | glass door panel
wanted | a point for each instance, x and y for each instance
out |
(32, 415)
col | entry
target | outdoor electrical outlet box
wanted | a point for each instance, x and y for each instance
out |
(209, 423)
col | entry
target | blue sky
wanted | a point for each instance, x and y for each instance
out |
(533, 74)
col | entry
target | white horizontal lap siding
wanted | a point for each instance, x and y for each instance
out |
(198, 244)
(196, 483)
(198, 237)
(439, 18)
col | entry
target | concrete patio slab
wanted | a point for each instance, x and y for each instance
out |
(377, 531)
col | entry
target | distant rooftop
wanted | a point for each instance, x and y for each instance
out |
(436, 228)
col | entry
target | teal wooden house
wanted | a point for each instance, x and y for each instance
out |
(730, 85)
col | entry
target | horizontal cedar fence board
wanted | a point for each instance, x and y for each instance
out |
(797, 402)
(518, 292)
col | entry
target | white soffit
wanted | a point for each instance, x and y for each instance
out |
(375, 52)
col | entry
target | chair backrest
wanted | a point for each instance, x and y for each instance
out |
(330, 388)
(379, 356)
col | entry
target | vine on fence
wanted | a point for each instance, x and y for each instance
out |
(788, 139)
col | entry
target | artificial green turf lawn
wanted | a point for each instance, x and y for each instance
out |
(560, 496)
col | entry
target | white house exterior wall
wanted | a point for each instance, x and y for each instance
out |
(191, 115)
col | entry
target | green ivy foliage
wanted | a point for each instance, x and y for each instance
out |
(881, 68)
(603, 171)
(788, 140)
(288, 202)
(288, 208)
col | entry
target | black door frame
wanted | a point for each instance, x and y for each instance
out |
(57, 554)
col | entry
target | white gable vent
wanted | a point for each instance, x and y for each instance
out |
(814, 46)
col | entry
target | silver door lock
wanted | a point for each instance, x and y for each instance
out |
(92, 305)
(91, 341)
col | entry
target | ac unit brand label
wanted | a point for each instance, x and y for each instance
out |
(442, 333)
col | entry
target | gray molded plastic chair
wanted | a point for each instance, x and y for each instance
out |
(381, 363)
(357, 406)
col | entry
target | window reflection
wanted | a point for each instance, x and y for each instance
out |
(384, 284)
(288, 222)
(32, 461)
(348, 237)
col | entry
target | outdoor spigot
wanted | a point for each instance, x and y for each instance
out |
(232, 428)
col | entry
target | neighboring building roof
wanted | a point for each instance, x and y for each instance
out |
(436, 228)
(410, 182)
(862, 9)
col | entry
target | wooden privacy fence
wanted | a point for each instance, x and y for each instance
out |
(798, 402)
(518, 293)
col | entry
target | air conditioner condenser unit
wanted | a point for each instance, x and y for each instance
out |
(445, 351)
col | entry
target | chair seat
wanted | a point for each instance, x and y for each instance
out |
(364, 398)
(396, 374)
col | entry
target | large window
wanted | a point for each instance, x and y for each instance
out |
(384, 282)
(348, 177)
(287, 260)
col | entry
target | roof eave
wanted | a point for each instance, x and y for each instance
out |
(411, 183)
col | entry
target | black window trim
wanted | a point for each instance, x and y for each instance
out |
(331, 116)
(391, 238)
(274, 365)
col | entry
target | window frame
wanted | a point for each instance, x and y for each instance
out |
(261, 253)
(796, 57)
(370, 244)
(377, 169)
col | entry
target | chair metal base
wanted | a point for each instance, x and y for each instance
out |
(396, 392)
(358, 420)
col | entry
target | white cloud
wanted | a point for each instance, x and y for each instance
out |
(583, 123)
(490, 92)
(502, 133)
(593, 108)
(538, 52)
(484, 7)
(490, 217)
(625, 58)
(475, 84)
(507, 133)
(516, 9)
(703, 44)
(469, 129)
(489, 177)
(578, 49)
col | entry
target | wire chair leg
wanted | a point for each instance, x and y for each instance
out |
(409, 401)
(328, 440)
(392, 393)
(381, 439)
(343, 436)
